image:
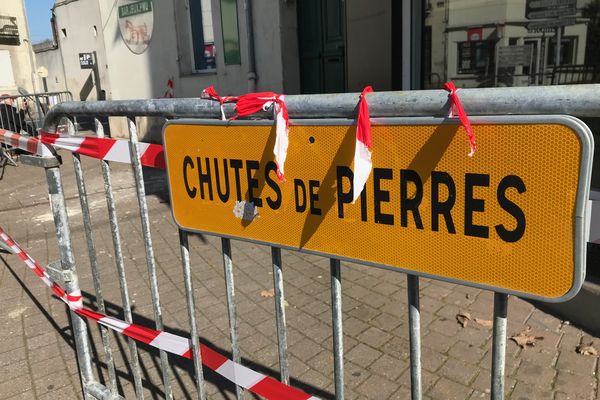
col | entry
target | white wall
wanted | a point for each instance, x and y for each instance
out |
(51, 60)
(78, 19)
(20, 55)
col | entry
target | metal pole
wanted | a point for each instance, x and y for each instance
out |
(150, 262)
(577, 100)
(120, 265)
(233, 328)
(280, 315)
(87, 224)
(338, 330)
(406, 45)
(191, 308)
(499, 345)
(63, 233)
(250, 47)
(558, 43)
(414, 321)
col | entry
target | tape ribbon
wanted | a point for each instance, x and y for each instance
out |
(151, 155)
(253, 381)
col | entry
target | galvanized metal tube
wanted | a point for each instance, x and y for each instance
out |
(191, 308)
(280, 315)
(67, 260)
(414, 322)
(338, 330)
(229, 288)
(499, 345)
(134, 361)
(87, 228)
(101, 392)
(150, 262)
(578, 100)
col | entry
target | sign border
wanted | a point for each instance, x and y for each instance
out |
(583, 191)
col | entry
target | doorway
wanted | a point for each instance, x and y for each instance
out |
(322, 45)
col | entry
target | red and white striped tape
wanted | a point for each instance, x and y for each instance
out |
(27, 143)
(253, 381)
(151, 155)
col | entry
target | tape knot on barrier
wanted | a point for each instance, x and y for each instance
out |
(211, 93)
(364, 144)
(454, 103)
(251, 103)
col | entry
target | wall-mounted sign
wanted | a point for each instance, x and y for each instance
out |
(86, 60)
(136, 22)
(536, 9)
(514, 56)
(509, 219)
(536, 26)
(9, 31)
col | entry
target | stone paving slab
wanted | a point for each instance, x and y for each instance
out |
(37, 360)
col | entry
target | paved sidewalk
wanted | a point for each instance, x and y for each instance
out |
(37, 360)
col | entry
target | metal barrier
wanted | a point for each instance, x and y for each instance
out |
(579, 100)
(26, 112)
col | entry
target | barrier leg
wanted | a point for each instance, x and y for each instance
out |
(87, 224)
(134, 361)
(338, 332)
(233, 328)
(150, 262)
(499, 345)
(280, 315)
(191, 308)
(414, 321)
(63, 233)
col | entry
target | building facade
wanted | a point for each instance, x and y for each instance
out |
(482, 43)
(288, 47)
(17, 64)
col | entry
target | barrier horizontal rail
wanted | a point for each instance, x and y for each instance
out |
(577, 100)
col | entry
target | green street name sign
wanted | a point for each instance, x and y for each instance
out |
(139, 7)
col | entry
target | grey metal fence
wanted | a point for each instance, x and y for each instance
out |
(579, 100)
(26, 112)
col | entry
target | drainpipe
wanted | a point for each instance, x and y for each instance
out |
(250, 35)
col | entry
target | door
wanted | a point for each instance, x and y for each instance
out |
(321, 36)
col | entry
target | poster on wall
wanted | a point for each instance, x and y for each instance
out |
(136, 22)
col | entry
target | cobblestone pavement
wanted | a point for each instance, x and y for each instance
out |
(36, 347)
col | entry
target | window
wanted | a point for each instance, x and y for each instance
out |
(203, 42)
(231, 37)
(567, 51)
(475, 57)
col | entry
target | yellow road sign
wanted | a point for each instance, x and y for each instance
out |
(509, 219)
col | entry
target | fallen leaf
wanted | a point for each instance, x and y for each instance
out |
(268, 293)
(285, 303)
(586, 347)
(463, 318)
(484, 322)
(525, 338)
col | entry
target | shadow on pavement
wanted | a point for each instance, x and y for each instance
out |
(179, 365)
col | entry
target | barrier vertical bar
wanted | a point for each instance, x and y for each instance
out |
(229, 288)
(150, 262)
(414, 321)
(499, 345)
(87, 224)
(338, 332)
(120, 265)
(280, 315)
(63, 233)
(191, 309)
